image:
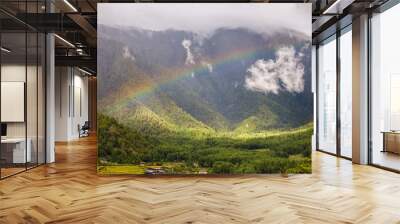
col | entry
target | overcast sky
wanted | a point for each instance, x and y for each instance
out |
(205, 18)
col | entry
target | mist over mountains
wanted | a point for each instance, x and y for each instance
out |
(234, 79)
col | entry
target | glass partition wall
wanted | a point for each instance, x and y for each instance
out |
(22, 98)
(385, 89)
(334, 84)
(13, 89)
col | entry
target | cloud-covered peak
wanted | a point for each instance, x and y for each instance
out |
(205, 18)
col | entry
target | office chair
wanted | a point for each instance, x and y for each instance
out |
(84, 130)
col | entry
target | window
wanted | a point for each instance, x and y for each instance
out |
(327, 96)
(346, 93)
(385, 89)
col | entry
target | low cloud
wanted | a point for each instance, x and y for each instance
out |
(285, 73)
(127, 54)
(208, 66)
(189, 56)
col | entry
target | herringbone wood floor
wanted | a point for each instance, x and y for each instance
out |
(69, 191)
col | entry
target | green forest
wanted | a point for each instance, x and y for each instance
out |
(128, 149)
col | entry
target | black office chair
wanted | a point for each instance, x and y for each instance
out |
(84, 130)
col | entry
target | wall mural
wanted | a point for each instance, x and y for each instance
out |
(204, 88)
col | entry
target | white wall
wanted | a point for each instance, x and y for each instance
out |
(71, 102)
(11, 73)
(62, 82)
(16, 73)
(80, 109)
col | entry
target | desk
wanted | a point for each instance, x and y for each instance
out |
(391, 141)
(16, 147)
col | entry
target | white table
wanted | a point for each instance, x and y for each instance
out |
(19, 153)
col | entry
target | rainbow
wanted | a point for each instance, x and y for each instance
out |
(129, 93)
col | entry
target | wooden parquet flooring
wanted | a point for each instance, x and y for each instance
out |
(70, 191)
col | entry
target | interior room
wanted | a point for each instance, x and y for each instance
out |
(22, 105)
(199, 112)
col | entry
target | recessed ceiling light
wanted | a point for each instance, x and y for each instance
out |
(331, 7)
(70, 5)
(337, 7)
(5, 50)
(64, 40)
(84, 71)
